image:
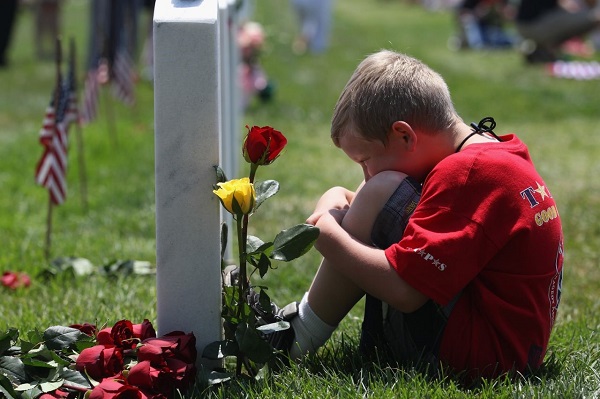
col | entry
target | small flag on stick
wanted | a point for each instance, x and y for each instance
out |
(90, 96)
(51, 170)
(123, 79)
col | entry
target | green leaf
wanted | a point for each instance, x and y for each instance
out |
(294, 242)
(38, 363)
(31, 393)
(215, 377)
(26, 386)
(59, 360)
(221, 177)
(60, 337)
(224, 234)
(265, 190)
(74, 378)
(252, 345)
(34, 338)
(253, 244)
(6, 388)
(78, 266)
(83, 344)
(128, 267)
(264, 263)
(50, 386)
(14, 369)
(220, 349)
(143, 267)
(274, 327)
(7, 338)
(265, 300)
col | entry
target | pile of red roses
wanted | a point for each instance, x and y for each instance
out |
(129, 361)
(14, 280)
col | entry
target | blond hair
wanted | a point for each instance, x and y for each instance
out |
(387, 87)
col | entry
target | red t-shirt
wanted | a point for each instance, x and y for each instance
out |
(487, 229)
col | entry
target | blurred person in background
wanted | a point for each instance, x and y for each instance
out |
(8, 14)
(47, 27)
(253, 79)
(481, 24)
(545, 25)
(314, 17)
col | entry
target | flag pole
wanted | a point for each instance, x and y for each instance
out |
(79, 138)
(49, 227)
(56, 100)
(110, 118)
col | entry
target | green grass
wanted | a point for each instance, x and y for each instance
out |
(556, 118)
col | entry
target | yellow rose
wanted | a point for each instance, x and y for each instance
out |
(237, 195)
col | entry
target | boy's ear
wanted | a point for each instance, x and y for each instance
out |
(404, 132)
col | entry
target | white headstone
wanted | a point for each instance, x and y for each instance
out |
(229, 101)
(186, 90)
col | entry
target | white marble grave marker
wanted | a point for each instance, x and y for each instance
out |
(187, 123)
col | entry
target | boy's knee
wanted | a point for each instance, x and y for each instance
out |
(389, 176)
(368, 203)
(384, 182)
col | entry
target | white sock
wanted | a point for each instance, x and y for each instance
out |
(310, 331)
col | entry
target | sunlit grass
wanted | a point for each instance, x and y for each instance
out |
(558, 119)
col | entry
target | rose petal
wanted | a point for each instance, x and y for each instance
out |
(139, 375)
(104, 337)
(91, 361)
(144, 330)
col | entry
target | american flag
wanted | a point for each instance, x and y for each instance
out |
(123, 76)
(51, 170)
(70, 88)
(90, 96)
(578, 70)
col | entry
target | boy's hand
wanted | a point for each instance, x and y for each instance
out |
(336, 198)
(338, 214)
(329, 225)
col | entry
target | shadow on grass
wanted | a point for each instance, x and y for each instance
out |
(342, 368)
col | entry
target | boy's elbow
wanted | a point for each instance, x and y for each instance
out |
(408, 299)
(412, 306)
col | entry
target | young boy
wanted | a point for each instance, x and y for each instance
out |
(474, 280)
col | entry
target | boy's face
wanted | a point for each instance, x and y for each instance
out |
(372, 155)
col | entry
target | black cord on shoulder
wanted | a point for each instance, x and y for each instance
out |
(481, 127)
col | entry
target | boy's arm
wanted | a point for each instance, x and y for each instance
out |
(334, 198)
(345, 242)
(366, 266)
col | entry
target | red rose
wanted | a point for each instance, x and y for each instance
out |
(144, 330)
(126, 335)
(100, 361)
(86, 328)
(175, 374)
(146, 376)
(175, 344)
(122, 334)
(56, 394)
(183, 373)
(152, 353)
(263, 145)
(111, 389)
(14, 280)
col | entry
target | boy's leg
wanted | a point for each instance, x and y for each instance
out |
(332, 295)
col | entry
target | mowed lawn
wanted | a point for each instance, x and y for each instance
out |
(557, 118)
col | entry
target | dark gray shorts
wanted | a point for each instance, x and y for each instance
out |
(410, 337)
